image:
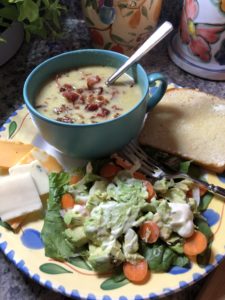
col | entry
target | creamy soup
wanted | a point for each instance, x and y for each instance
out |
(81, 96)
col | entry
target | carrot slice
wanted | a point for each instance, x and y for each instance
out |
(123, 163)
(139, 175)
(67, 201)
(195, 244)
(109, 170)
(189, 193)
(150, 190)
(149, 232)
(74, 179)
(203, 190)
(136, 273)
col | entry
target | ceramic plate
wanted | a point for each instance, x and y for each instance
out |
(25, 249)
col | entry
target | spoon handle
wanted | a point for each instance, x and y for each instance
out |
(153, 40)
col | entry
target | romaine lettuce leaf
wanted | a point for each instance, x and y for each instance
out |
(56, 245)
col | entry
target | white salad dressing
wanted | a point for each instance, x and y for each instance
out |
(181, 219)
(196, 194)
(79, 209)
(130, 242)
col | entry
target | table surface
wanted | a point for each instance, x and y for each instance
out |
(13, 284)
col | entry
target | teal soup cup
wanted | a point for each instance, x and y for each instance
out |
(95, 140)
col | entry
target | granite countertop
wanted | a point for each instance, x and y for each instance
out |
(13, 284)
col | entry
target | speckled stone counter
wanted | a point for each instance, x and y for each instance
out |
(13, 284)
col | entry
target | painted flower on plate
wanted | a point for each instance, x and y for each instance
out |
(198, 36)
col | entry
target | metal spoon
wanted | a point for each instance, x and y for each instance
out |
(153, 40)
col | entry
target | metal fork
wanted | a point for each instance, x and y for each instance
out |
(134, 153)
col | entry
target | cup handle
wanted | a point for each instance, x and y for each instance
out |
(158, 91)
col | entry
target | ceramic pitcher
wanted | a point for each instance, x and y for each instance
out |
(121, 25)
(199, 46)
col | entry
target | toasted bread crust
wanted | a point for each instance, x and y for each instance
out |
(190, 124)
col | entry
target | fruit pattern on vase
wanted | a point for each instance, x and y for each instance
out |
(121, 25)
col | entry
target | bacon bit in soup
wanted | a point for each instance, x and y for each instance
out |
(116, 107)
(91, 81)
(100, 90)
(71, 96)
(81, 100)
(79, 91)
(114, 94)
(65, 119)
(65, 87)
(92, 106)
(103, 113)
(116, 115)
(91, 98)
(103, 100)
(61, 109)
(69, 92)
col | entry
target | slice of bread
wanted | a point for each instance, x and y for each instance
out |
(190, 124)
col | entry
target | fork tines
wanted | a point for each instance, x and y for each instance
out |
(135, 154)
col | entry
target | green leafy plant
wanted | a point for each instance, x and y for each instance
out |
(38, 17)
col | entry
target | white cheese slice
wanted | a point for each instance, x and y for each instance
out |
(19, 196)
(37, 172)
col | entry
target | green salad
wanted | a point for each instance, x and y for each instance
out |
(114, 217)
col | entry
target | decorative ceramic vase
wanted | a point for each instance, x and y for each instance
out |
(199, 46)
(121, 25)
